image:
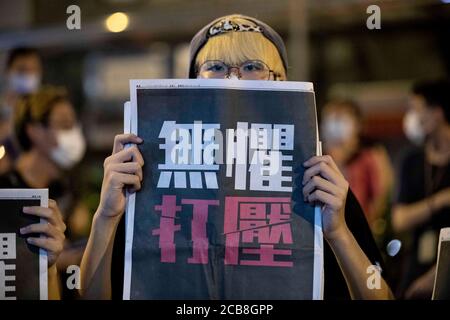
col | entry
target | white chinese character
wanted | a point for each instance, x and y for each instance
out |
(7, 246)
(237, 150)
(264, 149)
(261, 136)
(189, 148)
(7, 252)
(266, 171)
(283, 137)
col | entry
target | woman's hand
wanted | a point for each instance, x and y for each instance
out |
(122, 169)
(53, 230)
(325, 184)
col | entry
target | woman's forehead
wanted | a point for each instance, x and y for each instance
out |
(62, 110)
(238, 47)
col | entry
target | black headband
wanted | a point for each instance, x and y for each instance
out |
(225, 24)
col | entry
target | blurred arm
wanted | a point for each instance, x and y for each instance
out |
(405, 217)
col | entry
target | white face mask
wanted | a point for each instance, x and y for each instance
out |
(337, 129)
(24, 83)
(413, 128)
(70, 149)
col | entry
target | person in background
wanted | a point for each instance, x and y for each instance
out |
(237, 47)
(23, 73)
(365, 165)
(422, 203)
(51, 140)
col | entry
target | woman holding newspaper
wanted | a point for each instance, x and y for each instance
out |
(244, 48)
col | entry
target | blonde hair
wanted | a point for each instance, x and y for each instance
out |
(236, 47)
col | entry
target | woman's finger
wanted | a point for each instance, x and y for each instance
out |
(119, 180)
(323, 169)
(48, 244)
(43, 228)
(325, 198)
(52, 215)
(121, 140)
(319, 183)
(59, 222)
(46, 213)
(325, 158)
(131, 154)
(128, 167)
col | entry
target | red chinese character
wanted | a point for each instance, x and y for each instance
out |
(247, 221)
(167, 228)
(198, 229)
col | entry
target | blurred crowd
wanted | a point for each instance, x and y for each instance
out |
(42, 142)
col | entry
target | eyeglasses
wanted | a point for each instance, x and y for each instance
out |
(249, 70)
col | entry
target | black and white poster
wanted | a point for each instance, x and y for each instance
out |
(221, 214)
(23, 267)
